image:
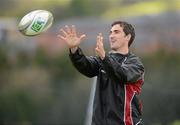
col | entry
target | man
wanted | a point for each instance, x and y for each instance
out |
(119, 75)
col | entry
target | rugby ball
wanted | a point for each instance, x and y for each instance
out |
(35, 22)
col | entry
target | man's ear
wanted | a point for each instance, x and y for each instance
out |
(128, 37)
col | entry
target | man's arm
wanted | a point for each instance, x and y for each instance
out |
(129, 70)
(88, 66)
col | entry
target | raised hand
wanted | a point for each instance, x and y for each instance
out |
(69, 36)
(100, 47)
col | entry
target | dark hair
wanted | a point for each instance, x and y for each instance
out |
(127, 28)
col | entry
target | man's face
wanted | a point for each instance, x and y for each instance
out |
(118, 38)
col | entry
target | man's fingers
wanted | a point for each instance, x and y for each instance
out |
(97, 50)
(61, 37)
(82, 36)
(101, 37)
(73, 30)
(64, 33)
(68, 29)
(99, 40)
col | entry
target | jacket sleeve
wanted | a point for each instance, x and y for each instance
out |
(130, 70)
(88, 66)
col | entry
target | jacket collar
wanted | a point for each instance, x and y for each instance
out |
(116, 53)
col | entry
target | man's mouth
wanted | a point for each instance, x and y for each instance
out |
(113, 41)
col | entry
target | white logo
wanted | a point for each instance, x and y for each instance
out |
(103, 71)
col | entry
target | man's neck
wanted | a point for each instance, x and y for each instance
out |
(121, 51)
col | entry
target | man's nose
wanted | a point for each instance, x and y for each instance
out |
(111, 36)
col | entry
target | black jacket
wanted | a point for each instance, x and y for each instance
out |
(119, 81)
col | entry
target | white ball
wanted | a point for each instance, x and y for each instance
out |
(35, 22)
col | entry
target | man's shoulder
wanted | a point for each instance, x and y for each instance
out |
(133, 58)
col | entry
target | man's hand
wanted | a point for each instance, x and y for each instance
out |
(69, 36)
(100, 47)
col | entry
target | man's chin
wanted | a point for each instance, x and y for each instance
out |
(113, 49)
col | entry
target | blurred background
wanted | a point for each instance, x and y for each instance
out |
(39, 85)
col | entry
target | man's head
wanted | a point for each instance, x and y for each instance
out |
(121, 35)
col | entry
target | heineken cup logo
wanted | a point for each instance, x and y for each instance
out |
(38, 24)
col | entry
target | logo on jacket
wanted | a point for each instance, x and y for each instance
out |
(103, 71)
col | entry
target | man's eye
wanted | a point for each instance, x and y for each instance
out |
(116, 31)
